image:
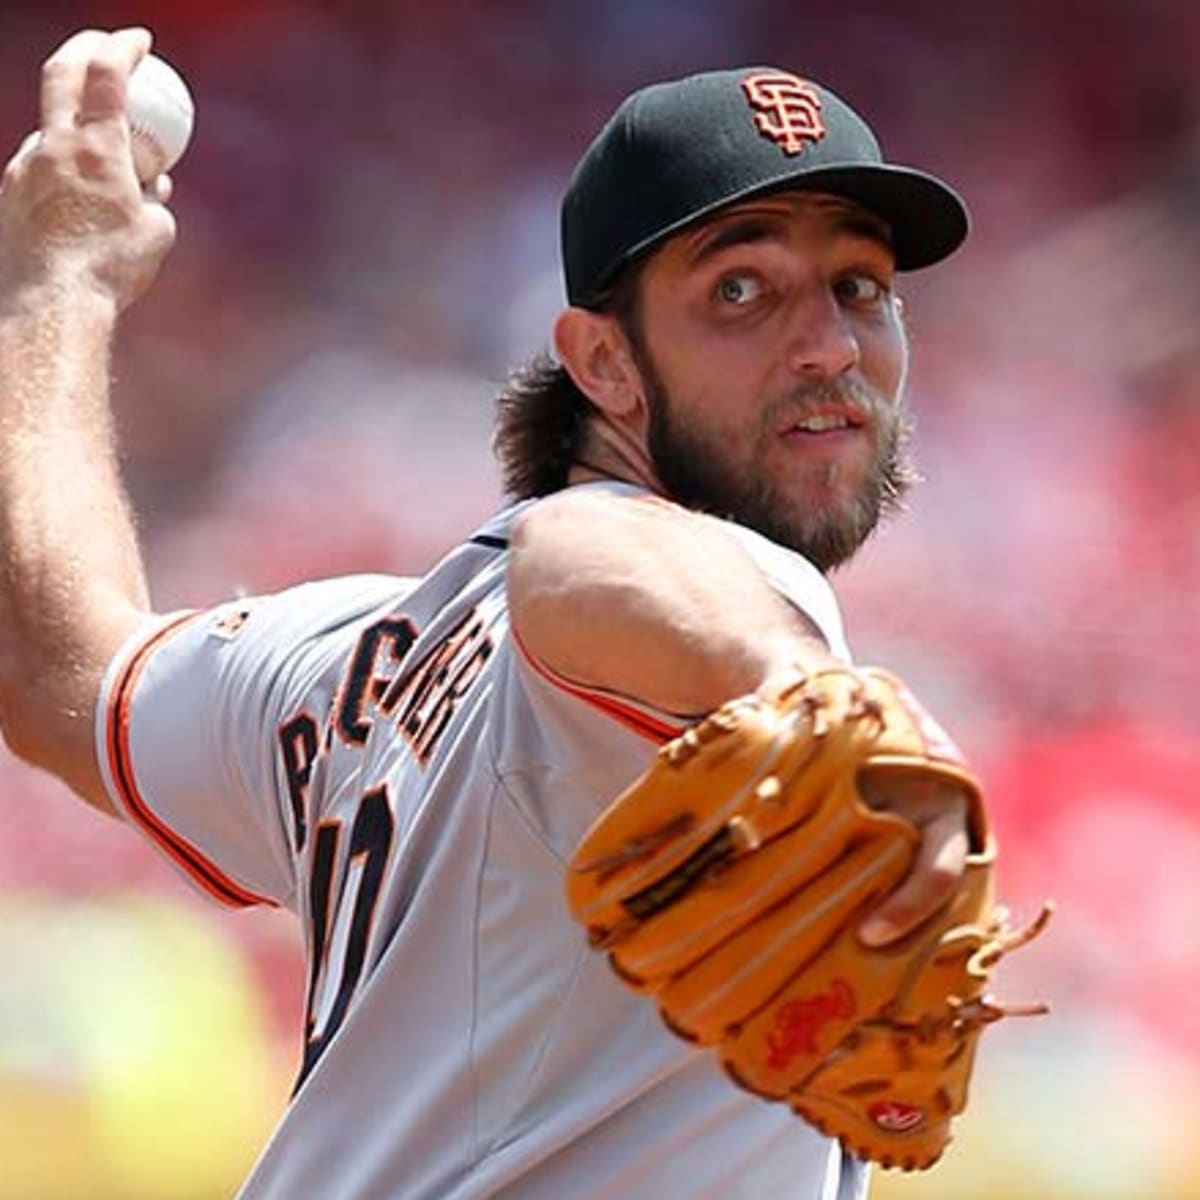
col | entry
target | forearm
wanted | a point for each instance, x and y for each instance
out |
(63, 516)
(72, 584)
(652, 601)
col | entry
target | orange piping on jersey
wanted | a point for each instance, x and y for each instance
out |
(641, 723)
(205, 873)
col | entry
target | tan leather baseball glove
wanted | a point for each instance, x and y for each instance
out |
(730, 880)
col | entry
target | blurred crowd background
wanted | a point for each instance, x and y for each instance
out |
(368, 244)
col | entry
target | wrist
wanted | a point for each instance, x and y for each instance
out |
(59, 289)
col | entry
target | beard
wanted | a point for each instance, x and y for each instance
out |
(694, 468)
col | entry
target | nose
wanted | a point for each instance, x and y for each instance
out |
(821, 339)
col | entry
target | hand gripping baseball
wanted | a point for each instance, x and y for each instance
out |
(71, 206)
(730, 882)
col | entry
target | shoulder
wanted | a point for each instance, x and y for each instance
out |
(589, 501)
(605, 519)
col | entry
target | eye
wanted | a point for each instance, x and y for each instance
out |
(739, 290)
(861, 288)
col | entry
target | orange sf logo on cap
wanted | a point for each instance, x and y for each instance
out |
(789, 109)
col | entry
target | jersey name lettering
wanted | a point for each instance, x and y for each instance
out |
(299, 741)
(377, 658)
(424, 701)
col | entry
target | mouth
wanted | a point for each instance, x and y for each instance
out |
(824, 421)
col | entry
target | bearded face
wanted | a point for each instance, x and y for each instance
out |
(770, 361)
(829, 515)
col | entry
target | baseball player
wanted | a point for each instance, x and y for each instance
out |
(408, 764)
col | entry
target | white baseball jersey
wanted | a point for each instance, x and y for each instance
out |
(382, 757)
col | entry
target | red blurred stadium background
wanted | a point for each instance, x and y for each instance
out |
(368, 243)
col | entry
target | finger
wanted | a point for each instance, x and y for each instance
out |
(930, 883)
(62, 78)
(65, 71)
(107, 77)
(161, 189)
(165, 228)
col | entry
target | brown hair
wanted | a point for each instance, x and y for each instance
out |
(542, 417)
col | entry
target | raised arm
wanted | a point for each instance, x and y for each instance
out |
(78, 242)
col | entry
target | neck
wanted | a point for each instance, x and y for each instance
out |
(613, 450)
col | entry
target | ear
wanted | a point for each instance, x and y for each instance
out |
(593, 350)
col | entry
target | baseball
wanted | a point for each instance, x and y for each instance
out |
(161, 117)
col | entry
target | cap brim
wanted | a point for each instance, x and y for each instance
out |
(928, 219)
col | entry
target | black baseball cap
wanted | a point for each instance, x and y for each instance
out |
(675, 152)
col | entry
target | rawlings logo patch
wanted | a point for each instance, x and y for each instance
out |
(788, 110)
(896, 1116)
(798, 1022)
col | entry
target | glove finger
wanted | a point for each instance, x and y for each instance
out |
(734, 981)
(733, 896)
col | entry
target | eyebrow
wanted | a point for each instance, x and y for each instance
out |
(743, 231)
(754, 228)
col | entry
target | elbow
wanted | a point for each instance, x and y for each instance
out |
(33, 714)
(54, 732)
(15, 689)
(19, 723)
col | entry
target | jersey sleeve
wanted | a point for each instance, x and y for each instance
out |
(188, 728)
(562, 752)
